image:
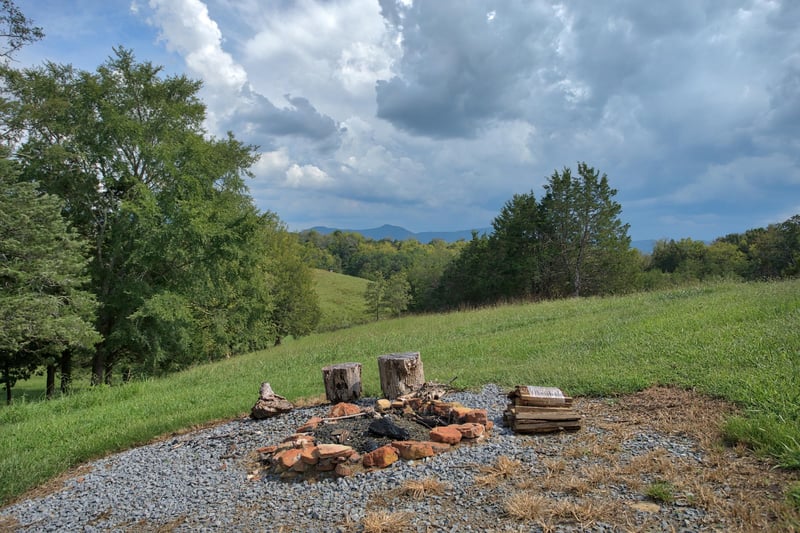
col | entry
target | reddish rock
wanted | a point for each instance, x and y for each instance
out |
(476, 416)
(489, 425)
(411, 450)
(398, 404)
(382, 457)
(439, 447)
(355, 458)
(298, 440)
(285, 446)
(471, 431)
(343, 470)
(460, 413)
(344, 409)
(267, 449)
(447, 434)
(288, 458)
(310, 455)
(300, 466)
(310, 425)
(331, 451)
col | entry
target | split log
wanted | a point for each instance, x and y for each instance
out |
(400, 373)
(342, 382)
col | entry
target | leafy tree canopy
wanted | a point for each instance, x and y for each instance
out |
(181, 258)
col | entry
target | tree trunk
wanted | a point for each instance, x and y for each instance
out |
(401, 373)
(109, 370)
(98, 367)
(7, 380)
(50, 387)
(342, 382)
(66, 371)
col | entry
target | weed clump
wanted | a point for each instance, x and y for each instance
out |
(661, 491)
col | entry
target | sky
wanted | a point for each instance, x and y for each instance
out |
(432, 114)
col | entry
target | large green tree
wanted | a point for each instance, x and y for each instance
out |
(518, 248)
(572, 242)
(44, 308)
(180, 261)
(589, 242)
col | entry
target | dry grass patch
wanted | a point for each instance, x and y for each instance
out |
(502, 470)
(597, 474)
(311, 401)
(585, 513)
(577, 470)
(385, 522)
(528, 507)
(548, 513)
(418, 489)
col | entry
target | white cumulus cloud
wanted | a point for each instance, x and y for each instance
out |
(187, 28)
(307, 176)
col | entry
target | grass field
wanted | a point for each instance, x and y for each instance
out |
(736, 341)
(341, 300)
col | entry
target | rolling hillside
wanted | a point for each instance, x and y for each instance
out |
(341, 299)
(736, 341)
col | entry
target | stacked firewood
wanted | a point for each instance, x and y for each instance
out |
(540, 410)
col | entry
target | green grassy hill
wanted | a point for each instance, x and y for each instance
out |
(735, 341)
(341, 299)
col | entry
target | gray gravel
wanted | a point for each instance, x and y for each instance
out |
(199, 482)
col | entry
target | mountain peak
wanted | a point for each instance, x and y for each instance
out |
(388, 231)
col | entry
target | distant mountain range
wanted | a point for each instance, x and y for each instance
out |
(396, 233)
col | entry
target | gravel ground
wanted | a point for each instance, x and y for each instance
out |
(645, 462)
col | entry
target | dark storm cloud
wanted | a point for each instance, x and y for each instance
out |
(300, 119)
(459, 68)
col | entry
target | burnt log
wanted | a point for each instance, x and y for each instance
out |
(384, 427)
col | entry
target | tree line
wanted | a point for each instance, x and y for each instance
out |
(570, 242)
(130, 243)
(766, 253)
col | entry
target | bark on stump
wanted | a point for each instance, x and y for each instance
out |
(342, 382)
(401, 373)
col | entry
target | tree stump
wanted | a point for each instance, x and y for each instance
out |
(342, 382)
(400, 373)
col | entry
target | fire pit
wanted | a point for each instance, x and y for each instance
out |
(352, 439)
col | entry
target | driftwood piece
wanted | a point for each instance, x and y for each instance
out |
(400, 373)
(342, 382)
(269, 404)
